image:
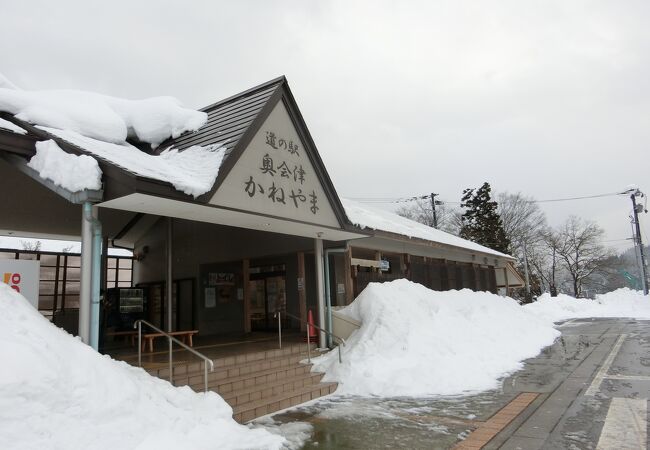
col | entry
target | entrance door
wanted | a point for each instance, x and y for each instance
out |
(268, 295)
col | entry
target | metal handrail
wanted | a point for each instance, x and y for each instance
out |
(138, 324)
(278, 315)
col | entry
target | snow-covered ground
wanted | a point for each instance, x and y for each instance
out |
(58, 393)
(620, 303)
(417, 342)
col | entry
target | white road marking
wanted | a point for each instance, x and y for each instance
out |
(628, 377)
(602, 373)
(625, 425)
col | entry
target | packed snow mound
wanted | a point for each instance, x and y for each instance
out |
(620, 303)
(72, 172)
(378, 219)
(101, 117)
(417, 342)
(192, 171)
(58, 393)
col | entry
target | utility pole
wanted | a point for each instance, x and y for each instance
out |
(433, 208)
(638, 241)
(528, 296)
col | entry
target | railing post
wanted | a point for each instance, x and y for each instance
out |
(171, 365)
(308, 346)
(139, 344)
(340, 360)
(205, 372)
(279, 330)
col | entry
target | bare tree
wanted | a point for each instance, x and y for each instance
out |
(525, 226)
(543, 259)
(523, 220)
(31, 245)
(580, 251)
(420, 211)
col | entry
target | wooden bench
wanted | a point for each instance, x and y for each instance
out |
(185, 337)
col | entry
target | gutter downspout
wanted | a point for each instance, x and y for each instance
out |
(328, 294)
(90, 216)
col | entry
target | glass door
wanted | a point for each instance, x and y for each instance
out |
(268, 295)
(258, 304)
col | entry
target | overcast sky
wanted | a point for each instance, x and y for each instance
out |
(550, 98)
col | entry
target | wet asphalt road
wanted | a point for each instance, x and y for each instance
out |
(593, 386)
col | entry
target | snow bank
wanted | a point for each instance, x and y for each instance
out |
(417, 342)
(99, 116)
(378, 219)
(192, 171)
(72, 172)
(620, 303)
(57, 393)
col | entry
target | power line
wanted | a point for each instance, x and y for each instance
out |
(575, 198)
(423, 197)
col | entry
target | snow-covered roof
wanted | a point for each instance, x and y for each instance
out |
(378, 219)
(192, 171)
(100, 125)
(72, 172)
(109, 119)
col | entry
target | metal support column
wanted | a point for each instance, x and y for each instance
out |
(170, 286)
(85, 288)
(328, 293)
(92, 216)
(320, 295)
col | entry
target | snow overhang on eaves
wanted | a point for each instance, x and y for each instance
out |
(92, 196)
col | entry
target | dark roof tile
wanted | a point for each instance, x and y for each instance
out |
(229, 119)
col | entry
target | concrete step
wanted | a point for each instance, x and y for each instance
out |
(256, 383)
(196, 367)
(253, 379)
(248, 411)
(266, 390)
(237, 370)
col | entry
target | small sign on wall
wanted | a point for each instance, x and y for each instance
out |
(210, 297)
(22, 276)
(301, 284)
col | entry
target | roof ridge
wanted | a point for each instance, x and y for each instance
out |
(279, 80)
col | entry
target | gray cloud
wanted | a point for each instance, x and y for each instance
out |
(550, 98)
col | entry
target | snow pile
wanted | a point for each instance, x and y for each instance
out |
(192, 171)
(6, 125)
(417, 342)
(620, 303)
(56, 392)
(72, 172)
(101, 117)
(377, 219)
